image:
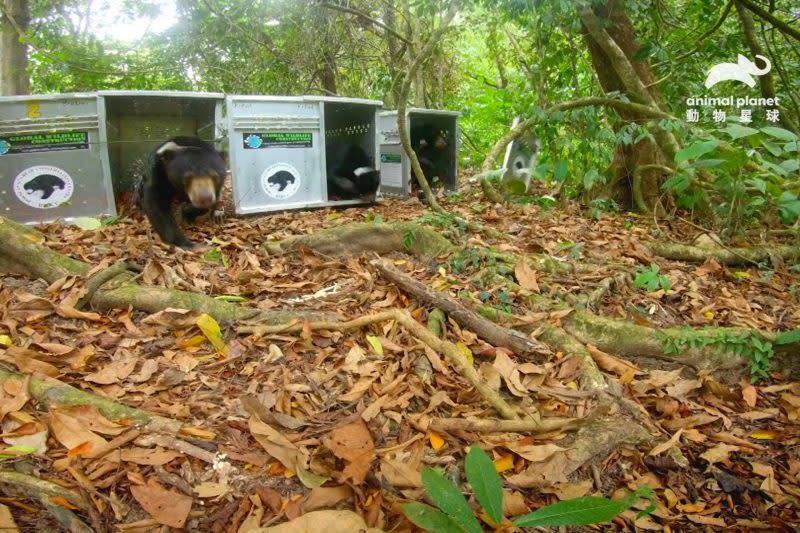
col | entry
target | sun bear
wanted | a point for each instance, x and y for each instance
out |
(46, 184)
(183, 169)
(350, 173)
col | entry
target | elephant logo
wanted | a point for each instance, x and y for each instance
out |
(742, 71)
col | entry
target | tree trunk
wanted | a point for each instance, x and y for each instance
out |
(413, 35)
(13, 52)
(628, 158)
(766, 81)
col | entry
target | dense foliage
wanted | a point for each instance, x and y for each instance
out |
(499, 60)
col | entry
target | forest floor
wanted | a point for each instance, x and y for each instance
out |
(354, 404)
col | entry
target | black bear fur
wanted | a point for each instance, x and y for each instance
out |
(351, 174)
(183, 169)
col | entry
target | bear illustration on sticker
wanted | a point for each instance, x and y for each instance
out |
(742, 71)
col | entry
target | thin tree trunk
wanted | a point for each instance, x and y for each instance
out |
(13, 52)
(766, 81)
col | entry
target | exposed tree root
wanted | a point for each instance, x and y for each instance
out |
(14, 483)
(23, 254)
(363, 237)
(55, 393)
(726, 256)
(488, 425)
(595, 439)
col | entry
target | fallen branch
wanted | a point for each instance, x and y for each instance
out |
(496, 335)
(484, 425)
(446, 348)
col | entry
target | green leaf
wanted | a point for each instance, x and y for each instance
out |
(230, 298)
(430, 519)
(87, 223)
(779, 133)
(448, 498)
(696, 150)
(576, 512)
(773, 148)
(375, 342)
(737, 131)
(788, 337)
(310, 479)
(561, 170)
(485, 481)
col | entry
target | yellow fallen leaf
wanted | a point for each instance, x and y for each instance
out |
(375, 342)
(709, 315)
(504, 462)
(198, 432)
(763, 434)
(211, 330)
(5, 340)
(436, 440)
(465, 351)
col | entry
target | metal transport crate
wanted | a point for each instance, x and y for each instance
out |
(279, 146)
(53, 159)
(396, 174)
(136, 122)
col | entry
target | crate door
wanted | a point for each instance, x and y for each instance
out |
(51, 160)
(275, 155)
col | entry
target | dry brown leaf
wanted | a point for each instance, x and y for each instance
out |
(278, 446)
(514, 504)
(526, 276)
(664, 446)
(209, 489)
(90, 417)
(533, 453)
(18, 400)
(611, 363)
(718, 453)
(326, 497)
(508, 370)
(168, 507)
(29, 365)
(706, 520)
(7, 524)
(71, 432)
(401, 470)
(749, 395)
(113, 372)
(327, 521)
(567, 491)
(354, 444)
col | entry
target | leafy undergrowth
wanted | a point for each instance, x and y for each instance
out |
(330, 420)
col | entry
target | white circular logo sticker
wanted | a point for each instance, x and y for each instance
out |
(43, 187)
(280, 181)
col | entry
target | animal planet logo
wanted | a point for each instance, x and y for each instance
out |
(742, 71)
(43, 186)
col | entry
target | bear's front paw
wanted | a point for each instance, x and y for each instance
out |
(218, 215)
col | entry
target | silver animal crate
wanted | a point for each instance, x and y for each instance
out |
(278, 147)
(521, 157)
(396, 175)
(53, 161)
(136, 122)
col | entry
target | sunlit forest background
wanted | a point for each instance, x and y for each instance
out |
(495, 61)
